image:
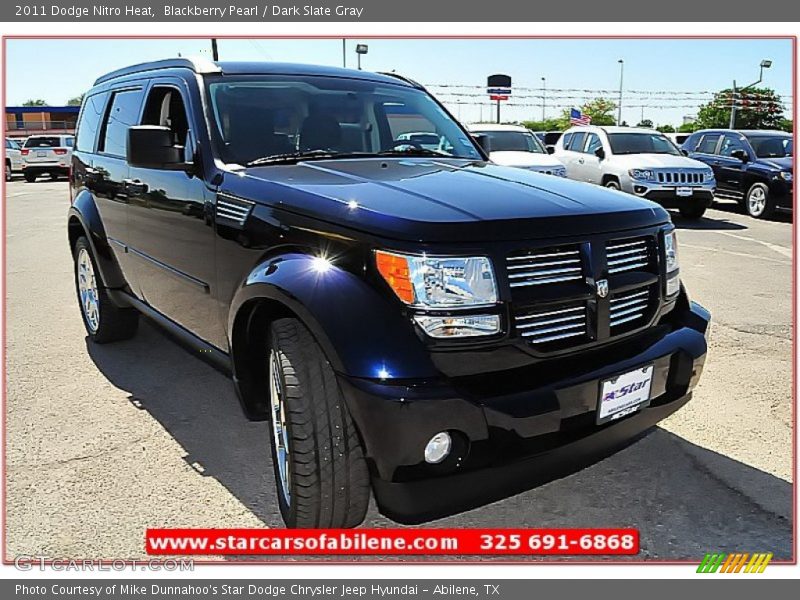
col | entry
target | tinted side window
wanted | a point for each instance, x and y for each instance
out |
(69, 142)
(708, 144)
(576, 144)
(122, 114)
(593, 143)
(567, 140)
(89, 122)
(729, 144)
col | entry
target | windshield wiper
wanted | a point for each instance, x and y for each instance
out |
(293, 157)
(411, 151)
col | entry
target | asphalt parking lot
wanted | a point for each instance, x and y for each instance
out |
(105, 441)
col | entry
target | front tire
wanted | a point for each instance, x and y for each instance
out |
(613, 184)
(692, 211)
(320, 471)
(757, 202)
(104, 321)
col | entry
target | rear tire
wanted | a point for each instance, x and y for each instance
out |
(104, 321)
(757, 202)
(30, 177)
(320, 471)
(8, 170)
(53, 176)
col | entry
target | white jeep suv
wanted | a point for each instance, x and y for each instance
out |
(642, 162)
(516, 146)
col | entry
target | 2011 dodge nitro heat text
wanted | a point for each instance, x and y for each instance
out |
(415, 322)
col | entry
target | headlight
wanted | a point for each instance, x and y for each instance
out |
(643, 174)
(439, 281)
(709, 175)
(786, 175)
(671, 260)
(443, 282)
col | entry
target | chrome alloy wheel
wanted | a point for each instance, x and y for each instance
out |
(87, 289)
(280, 433)
(756, 201)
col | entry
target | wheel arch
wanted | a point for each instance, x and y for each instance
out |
(84, 220)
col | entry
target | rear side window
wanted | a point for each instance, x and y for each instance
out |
(89, 122)
(43, 142)
(122, 114)
(69, 142)
(576, 144)
(708, 145)
(567, 139)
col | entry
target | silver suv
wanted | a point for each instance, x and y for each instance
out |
(642, 162)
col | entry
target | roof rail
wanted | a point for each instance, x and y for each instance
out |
(402, 78)
(198, 65)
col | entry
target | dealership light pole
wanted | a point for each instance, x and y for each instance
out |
(361, 49)
(344, 53)
(765, 64)
(619, 108)
(214, 50)
(544, 91)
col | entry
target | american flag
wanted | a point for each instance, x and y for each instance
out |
(578, 118)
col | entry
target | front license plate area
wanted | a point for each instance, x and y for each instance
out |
(684, 191)
(624, 394)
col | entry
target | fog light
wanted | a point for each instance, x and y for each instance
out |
(438, 448)
(458, 326)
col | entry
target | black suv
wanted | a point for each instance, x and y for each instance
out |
(415, 322)
(752, 167)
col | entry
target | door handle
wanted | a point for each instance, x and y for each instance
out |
(134, 186)
(581, 161)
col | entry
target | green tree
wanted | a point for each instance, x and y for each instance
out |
(690, 127)
(600, 109)
(757, 108)
(787, 125)
(34, 102)
(645, 123)
(665, 129)
(546, 125)
(76, 101)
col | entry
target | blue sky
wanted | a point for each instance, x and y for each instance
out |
(654, 66)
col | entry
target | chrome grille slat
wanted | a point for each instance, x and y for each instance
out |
(628, 307)
(561, 336)
(615, 322)
(630, 267)
(546, 266)
(570, 326)
(550, 312)
(552, 325)
(628, 297)
(550, 321)
(681, 177)
(627, 255)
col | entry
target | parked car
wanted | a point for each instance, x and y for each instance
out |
(427, 140)
(678, 138)
(549, 139)
(436, 329)
(46, 155)
(642, 162)
(516, 146)
(755, 168)
(13, 158)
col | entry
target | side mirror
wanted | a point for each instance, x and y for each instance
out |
(740, 154)
(684, 151)
(484, 141)
(600, 153)
(550, 149)
(153, 147)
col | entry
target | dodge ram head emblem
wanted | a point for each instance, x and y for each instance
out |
(602, 288)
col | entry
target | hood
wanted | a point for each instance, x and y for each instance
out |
(513, 158)
(784, 164)
(443, 200)
(645, 161)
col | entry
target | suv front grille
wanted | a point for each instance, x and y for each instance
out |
(553, 324)
(558, 293)
(628, 255)
(687, 177)
(548, 265)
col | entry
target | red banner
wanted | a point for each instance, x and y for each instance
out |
(392, 541)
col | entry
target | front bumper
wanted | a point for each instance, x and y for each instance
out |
(518, 433)
(668, 196)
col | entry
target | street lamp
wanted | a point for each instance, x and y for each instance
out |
(361, 49)
(619, 107)
(544, 90)
(764, 64)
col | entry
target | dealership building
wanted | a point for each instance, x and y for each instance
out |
(22, 121)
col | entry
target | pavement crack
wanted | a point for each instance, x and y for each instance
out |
(84, 457)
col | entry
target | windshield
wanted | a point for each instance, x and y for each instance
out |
(641, 143)
(513, 141)
(285, 116)
(772, 146)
